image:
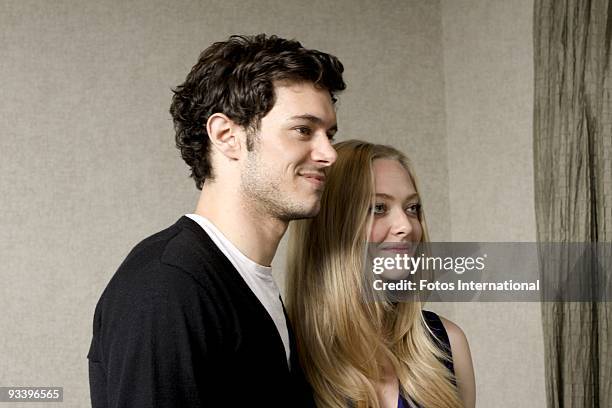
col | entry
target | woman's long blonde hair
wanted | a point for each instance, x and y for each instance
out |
(342, 339)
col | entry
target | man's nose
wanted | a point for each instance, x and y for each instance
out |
(324, 152)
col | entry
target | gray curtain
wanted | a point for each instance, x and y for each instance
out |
(573, 187)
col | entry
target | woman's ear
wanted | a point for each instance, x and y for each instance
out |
(225, 135)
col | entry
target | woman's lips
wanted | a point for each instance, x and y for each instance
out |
(398, 248)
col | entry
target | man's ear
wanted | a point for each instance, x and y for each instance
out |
(224, 135)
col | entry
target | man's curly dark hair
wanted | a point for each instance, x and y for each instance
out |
(235, 77)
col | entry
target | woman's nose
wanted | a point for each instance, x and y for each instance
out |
(402, 225)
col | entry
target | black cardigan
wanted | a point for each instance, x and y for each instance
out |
(177, 326)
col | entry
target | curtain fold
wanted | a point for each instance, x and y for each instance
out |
(573, 188)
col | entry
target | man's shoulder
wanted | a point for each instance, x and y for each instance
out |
(184, 245)
(175, 260)
(154, 249)
(161, 281)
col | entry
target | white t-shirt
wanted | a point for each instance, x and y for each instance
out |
(258, 277)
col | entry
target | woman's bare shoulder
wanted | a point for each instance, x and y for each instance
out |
(462, 362)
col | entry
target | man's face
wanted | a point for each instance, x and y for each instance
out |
(284, 174)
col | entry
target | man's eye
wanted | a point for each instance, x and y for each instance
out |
(379, 208)
(413, 209)
(304, 130)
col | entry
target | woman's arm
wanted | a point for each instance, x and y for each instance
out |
(462, 361)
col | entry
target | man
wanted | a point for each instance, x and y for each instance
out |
(192, 317)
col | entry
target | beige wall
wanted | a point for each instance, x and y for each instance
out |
(89, 168)
(488, 75)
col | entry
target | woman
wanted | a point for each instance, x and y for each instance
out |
(369, 354)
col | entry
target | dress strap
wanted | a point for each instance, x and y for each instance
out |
(440, 337)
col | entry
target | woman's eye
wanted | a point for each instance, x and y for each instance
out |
(413, 209)
(379, 208)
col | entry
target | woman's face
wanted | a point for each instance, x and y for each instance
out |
(397, 205)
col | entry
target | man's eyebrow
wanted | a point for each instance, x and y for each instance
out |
(390, 197)
(316, 120)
